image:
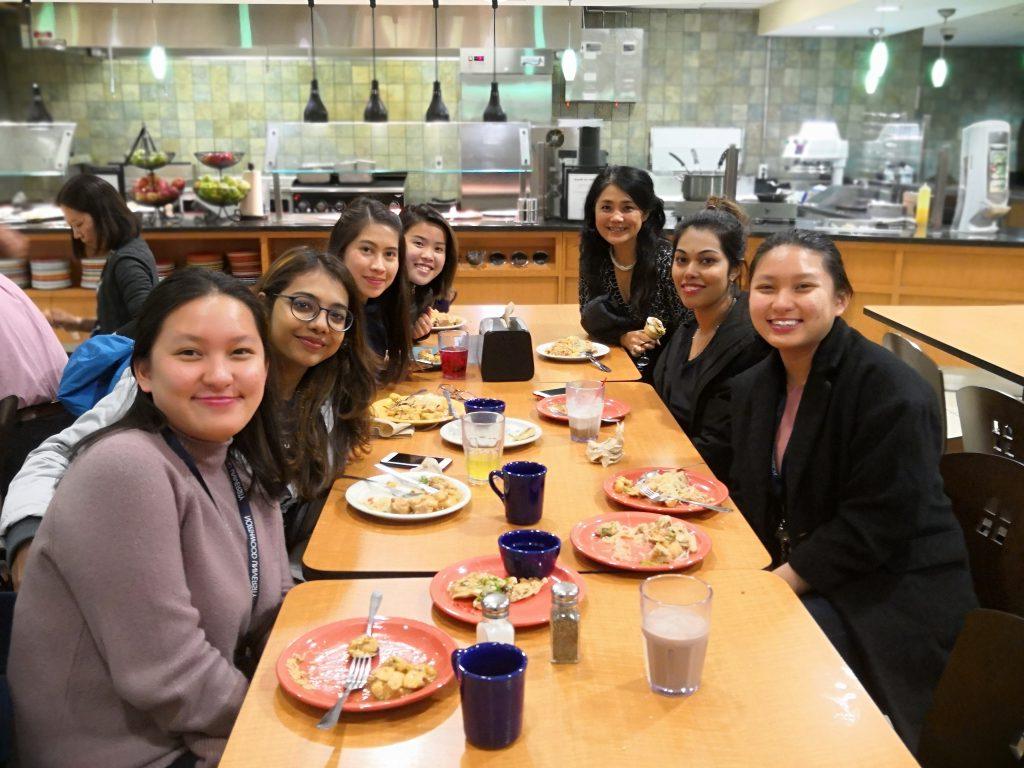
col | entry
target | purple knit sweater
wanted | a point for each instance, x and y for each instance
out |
(135, 596)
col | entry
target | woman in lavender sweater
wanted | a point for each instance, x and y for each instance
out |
(162, 553)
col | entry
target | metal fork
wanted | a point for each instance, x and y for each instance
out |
(358, 672)
(400, 492)
(407, 398)
(653, 495)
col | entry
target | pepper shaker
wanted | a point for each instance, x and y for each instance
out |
(565, 623)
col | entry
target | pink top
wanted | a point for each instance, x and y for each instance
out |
(785, 430)
(31, 357)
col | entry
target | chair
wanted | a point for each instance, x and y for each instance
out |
(992, 422)
(988, 500)
(911, 354)
(977, 715)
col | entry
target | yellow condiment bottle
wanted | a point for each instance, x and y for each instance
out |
(924, 205)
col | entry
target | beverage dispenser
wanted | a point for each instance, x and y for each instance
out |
(984, 193)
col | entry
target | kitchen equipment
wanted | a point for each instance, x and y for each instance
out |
(525, 76)
(685, 141)
(556, 148)
(611, 66)
(815, 155)
(701, 185)
(983, 196)
(499, 155)
(506, 350)
(326, 192)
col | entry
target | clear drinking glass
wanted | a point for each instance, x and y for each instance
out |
(454, 351)
(584, 403)
(483, 440)
(675, 618)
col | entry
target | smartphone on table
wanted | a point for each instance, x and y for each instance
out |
(549, 392)
(398, 460)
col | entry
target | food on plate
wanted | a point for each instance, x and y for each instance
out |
(225, 190)
(444, 319)
(608, 451)
(363, 647)
(559, 407)
(421, 503)
(297, 673)
(570, 346)
(654, 329)
(395, 677)
(428, 356)
(421, 407)
(674, 485)
(479, 583)
(515, 435)
(659, 542)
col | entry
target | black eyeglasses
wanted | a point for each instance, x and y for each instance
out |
(306, 309)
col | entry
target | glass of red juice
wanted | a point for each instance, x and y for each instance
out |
(454, 354)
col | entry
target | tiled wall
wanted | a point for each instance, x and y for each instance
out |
(704, 68)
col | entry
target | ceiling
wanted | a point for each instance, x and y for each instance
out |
(976, 22)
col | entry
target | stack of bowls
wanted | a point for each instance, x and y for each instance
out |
(15, 270)
(51, 274)
(92, 269)
(164, 267)
(245, 265)
(207, 260)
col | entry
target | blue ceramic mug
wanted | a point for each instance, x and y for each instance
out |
(523, 494)
(484, 404)
(492, 684)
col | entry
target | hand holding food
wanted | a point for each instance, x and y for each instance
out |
(654, 328)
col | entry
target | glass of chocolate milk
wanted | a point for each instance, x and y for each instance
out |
(675, 618)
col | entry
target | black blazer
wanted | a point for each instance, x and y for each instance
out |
(863, 503)
(707, 422)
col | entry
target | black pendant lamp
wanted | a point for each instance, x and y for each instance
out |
(315, 111)
(493, 113)
(375, 111)
(437, 112)
(37, 111)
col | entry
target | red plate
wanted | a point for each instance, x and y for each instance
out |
(584, 539)
(554, 408)
(718, 492)
(324, 653)
(531, 612)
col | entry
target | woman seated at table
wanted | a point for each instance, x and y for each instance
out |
(103, 227)
(625, 265)
(162, 554)
(836, 467)
(368, 240)
(694, 371)
(431, 256)
(324, 380)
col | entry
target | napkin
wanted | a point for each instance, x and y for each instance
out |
(384, 428)
(608, 451)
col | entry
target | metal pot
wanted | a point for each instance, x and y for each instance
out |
(701, 185)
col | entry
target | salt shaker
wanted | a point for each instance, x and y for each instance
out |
(565, 623)
(495, 628)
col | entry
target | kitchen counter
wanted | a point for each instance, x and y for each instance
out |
(292, 223)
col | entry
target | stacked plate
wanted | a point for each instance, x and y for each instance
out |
(92, 269)
(51, 274)
(207, 260)
(245, 265)
(15, 270)
(164, 267)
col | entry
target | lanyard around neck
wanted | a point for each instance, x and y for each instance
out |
(244, 510)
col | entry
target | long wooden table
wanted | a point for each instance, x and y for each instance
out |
(348, 543)
(549, 322)
(986, 336)
(774, 692)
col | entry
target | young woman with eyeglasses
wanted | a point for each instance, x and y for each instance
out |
(324, 386)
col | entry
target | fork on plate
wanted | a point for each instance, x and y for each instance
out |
(358, 672)
(662, 498)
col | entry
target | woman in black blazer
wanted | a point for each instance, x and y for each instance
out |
(693, 374)
(836, 467)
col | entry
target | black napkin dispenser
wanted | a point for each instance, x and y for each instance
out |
(506, 350)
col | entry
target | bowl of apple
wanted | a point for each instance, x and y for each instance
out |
(218, 159)
(154, 190)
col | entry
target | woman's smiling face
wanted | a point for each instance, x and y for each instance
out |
(425, 246)
(372, 258)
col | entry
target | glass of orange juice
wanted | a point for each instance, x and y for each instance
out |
(483, 440)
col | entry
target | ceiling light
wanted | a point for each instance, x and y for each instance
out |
(825, 28)
(888, 8)
(569, 61)
(493, 113)
(879, 58)
(437, 112)
(940, 68)
(871, 81)
(315, 111)
(158, 62)
(375, 111)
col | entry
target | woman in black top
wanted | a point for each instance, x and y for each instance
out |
(102, 225)
(431, 255)
(694, 373)
(836, 468)
(368, 240)
(625, 265)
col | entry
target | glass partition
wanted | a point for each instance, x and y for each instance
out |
(35, 149)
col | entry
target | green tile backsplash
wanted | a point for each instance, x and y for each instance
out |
(704, 68)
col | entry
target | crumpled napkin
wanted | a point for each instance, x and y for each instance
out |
(384, 428)
(608, 451)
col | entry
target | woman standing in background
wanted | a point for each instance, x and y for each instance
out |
(625, 265)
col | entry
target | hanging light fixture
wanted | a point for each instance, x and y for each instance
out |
(879, 53)
(569, 61)
(493, 113)
(157, 55)
(375, 111)
(315, 111)
(437, 112)
(940, 68)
